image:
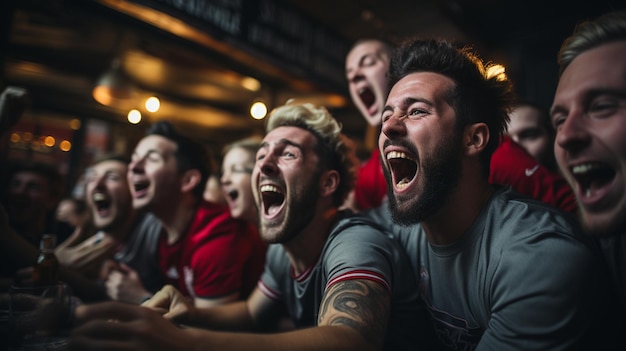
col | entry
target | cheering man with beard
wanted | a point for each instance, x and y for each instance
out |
(496, 271)
(345, 284)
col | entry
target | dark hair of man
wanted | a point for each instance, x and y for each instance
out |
(476, 96)
(189, 154)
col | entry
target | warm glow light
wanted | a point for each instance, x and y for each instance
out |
(153, 104)
(134, 116)
(113, 86)
(251, 84)
(75, 124)
(49, 141)
(65, 145)
(258, 110)
(27, 136)
(15, 138)
(497, 71)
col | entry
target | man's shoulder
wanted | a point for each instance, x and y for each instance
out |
(512, 207)
(358, 222)
(513, 219)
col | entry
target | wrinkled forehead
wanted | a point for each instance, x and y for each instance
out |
(363, 49)
(525, 115)
(155, 143)
(289, 135)
(108, 166)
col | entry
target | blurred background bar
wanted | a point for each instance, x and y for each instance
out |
(100, 71)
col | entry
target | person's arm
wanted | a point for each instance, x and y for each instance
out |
(216, 301)
(353, 316)
(248, 315)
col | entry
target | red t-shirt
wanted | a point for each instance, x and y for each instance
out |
(217, 256)
(371, 187)
(512, 165)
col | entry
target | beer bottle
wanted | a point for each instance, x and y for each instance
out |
(46, 270)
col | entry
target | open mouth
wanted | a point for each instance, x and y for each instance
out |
(592, 176)
(403, 168)
(233, 194)
(367, 97)
(102, 203)
(140, 187)
(273, 199)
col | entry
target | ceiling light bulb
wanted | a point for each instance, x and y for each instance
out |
(153, 104)
(258, 110)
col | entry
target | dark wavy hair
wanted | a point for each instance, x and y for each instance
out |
(478, 96)
(189, 153)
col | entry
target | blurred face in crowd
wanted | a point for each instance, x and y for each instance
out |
(153, 175)
(589, 114)
(366, 69)
(236, 180)
(29, 197)
(108, 194)
(285, 183)
(213, 190)
(528, 128)
(420, 149)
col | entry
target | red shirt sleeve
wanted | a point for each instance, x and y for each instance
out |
(512, 165)
(371, 187)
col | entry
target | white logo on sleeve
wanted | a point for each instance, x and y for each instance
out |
(530, 171)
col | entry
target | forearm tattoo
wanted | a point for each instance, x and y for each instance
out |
(359, 304)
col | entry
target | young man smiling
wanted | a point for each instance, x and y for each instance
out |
(589, 113)
(497, 271)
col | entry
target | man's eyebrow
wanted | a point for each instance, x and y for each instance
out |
(590, 95)
(282, 141)
(149, 152)
(407, 102)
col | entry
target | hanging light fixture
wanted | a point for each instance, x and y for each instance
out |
(113, 86)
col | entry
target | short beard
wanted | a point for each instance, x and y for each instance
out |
(441, 172)
(299, 214)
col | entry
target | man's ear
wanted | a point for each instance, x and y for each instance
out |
(190, 179)
(329, 181)
(475, 138)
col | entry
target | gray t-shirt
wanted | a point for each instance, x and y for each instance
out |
(521, 278)
(141, 252)
(355, 249)
(614, 250)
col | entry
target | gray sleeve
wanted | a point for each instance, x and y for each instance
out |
(360, 252)
(545, 305)
(274, 274)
